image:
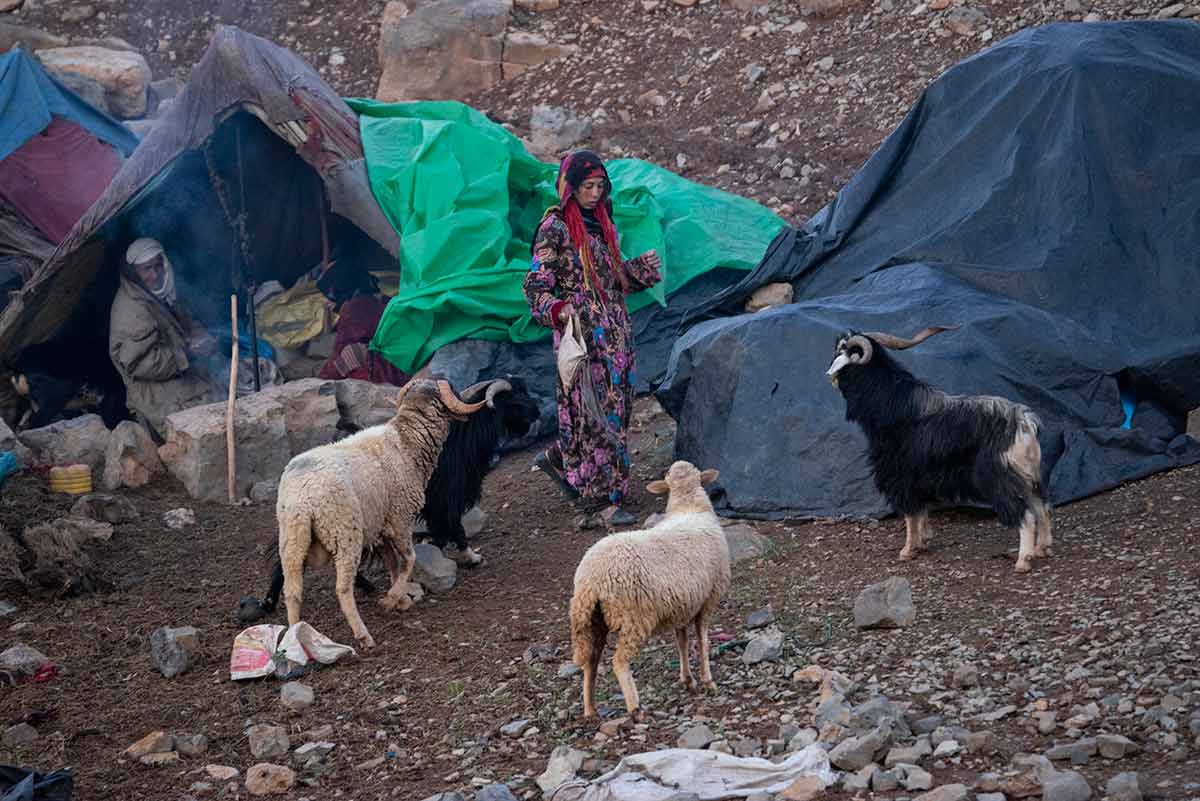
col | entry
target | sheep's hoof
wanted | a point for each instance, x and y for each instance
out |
(638, 715)
(366, 642)
(1023, 566)
(689, 685)
(470, 558)
(711, 686)
(1043, 552)
(401, 602)
(906, 555)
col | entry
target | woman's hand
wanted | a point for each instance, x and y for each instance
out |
(565, 313)
(650, 259)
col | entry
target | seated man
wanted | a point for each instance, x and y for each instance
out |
(167, 360)
(355, 295)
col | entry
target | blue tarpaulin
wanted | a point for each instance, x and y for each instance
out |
(29, 97)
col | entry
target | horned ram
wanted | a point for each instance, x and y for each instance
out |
(361, 494)
(928, 446)
(456, 484)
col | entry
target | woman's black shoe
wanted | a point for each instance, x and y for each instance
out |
(543, 463)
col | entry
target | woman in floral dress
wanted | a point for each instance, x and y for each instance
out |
(577, 270)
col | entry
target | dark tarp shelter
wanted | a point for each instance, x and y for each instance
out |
(255, 120)
(1045, 196)
(57, 153)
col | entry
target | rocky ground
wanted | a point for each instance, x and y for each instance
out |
(773, 103)
(1090, 661)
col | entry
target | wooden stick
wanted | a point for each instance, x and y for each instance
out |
(230, 440)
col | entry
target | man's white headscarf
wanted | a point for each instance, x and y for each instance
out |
(146, 249)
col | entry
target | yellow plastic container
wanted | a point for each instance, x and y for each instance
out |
(74, 479)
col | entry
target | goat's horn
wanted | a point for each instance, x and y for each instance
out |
(897, 343)
(454, 403)
(864, 344)
(470, 392)
(494, 389)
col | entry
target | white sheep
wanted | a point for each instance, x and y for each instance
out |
(645, 583)
(360, 495)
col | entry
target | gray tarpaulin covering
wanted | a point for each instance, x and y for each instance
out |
(1045, 196)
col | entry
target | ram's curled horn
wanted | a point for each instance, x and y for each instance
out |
(861, 342)
(454, 403)
(404, 390)
(494, 389)
(898, 343)
(472, 392)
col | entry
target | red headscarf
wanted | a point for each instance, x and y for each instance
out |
(576, 168)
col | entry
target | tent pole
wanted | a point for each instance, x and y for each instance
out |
(231, 408)
(324, 224)
(325, 325)
(252, 284)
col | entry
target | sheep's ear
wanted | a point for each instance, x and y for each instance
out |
(658, 488)
(708, 476)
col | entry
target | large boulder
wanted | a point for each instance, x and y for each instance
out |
(444, 50)
(310, 411)
(125, 76)
(9, 442)
(82, 439)
(86, 87)
(523, 49)
(131, 457)
(362, 404)
(195, 451)
(29, 38)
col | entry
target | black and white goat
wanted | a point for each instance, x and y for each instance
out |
(928, 446)
(457, 482)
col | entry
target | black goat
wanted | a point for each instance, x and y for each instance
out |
(457, 482)
(928, 446)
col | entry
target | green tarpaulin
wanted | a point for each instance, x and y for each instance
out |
(466, 198)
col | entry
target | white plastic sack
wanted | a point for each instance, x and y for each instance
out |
(571, 352)
(711, 775)
(261, 650)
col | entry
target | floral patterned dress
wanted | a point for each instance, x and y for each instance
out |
(594, 454)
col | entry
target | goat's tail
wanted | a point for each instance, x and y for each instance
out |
(1024, 454)
(1028, 420)
(588, 628)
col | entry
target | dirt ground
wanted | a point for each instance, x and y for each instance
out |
(1118, 604)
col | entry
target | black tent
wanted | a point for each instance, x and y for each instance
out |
(1045, 196)
(256, 138)
(232, 180)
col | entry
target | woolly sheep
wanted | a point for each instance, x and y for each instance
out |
(652, 582)
(361, 494)
(456, 484)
